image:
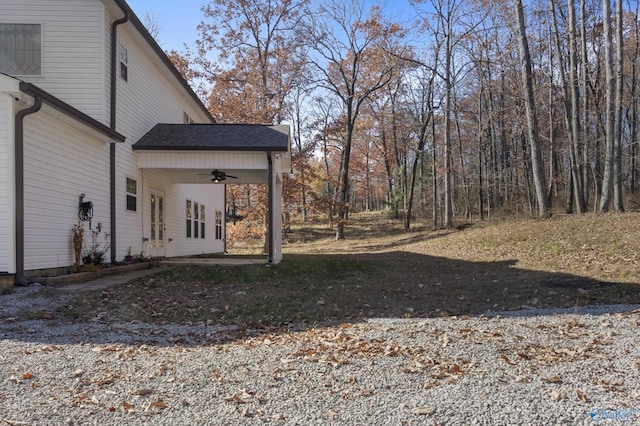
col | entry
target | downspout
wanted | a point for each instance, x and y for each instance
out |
(19, 188)
(270, 233)
(112, 124)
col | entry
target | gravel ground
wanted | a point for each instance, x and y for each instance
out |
(530, 367)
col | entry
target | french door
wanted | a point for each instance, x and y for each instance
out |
(156, 247)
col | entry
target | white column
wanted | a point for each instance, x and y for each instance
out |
(277, 218)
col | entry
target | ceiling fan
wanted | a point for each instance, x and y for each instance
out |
(219, 176)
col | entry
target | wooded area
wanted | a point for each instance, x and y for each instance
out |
(464, 109)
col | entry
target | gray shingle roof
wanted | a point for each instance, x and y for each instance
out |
(215, 137)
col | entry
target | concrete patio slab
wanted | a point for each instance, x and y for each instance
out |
(213, 261)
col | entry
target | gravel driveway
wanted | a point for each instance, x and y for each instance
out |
(529, 367)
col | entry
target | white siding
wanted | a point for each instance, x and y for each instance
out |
(211, 196)
(6, 185)
(152, 95)
(203, 160)
(60, 163)
(72, 49)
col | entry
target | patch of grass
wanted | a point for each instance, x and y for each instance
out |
(389, 273)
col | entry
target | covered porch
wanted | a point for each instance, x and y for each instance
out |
(220, 154)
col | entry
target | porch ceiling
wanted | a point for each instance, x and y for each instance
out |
(190, 152)
(234, 176)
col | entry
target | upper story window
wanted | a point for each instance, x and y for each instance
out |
(123, 57)
(186, 119)
(21, 49)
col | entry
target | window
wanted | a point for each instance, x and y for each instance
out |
(195, 220)
(196, 223)
(132, 195)
(202, 221)
(124, 62)
(186, 119)
(218, 225)
(21, 49)
(188, 218)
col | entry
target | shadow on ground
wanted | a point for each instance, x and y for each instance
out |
(322, 290)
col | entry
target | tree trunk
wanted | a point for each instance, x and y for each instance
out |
(530, 112)
(617, 140)
(343, 189)
(448, 207)
(570, 101)
(607, 179)
(434, 176)
(586, 172)
(575, 113)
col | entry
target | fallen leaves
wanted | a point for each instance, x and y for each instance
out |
(127, 407)
(552, 379)
(77, 373)
(158, 403)
(336, 347)
(86, 398)
(241, 397)
(8, 422)
(557, 396)
(423, 411)
(581, 396)
(545, 355)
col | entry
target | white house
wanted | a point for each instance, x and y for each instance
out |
(92, 110)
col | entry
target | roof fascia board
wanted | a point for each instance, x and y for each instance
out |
(65, 108)
(205, 148)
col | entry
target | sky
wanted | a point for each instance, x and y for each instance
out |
(178, 20)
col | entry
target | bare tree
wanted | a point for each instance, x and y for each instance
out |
(607, 180)
(151, 22)
(352, 65)
(617, 141)
(530, 112)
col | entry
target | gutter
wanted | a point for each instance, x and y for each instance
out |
(270, 173)
(63, 107)
(112, 125)
(19, 186)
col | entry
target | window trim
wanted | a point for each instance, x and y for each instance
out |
(42, 52)
(130, 194)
